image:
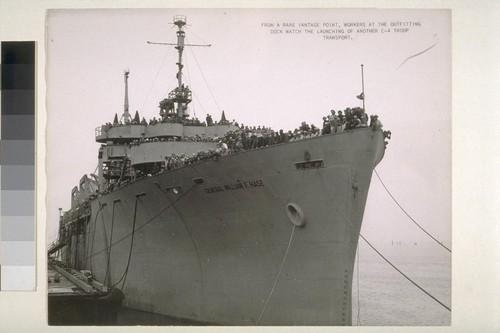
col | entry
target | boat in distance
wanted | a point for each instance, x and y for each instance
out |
(220, 223)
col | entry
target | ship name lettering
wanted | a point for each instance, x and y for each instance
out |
(256, 183)
(235, 186)
(214, 189)
(238, 185)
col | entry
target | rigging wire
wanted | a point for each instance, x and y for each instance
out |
(195, 95)
(192, 32)
(205, 79)
(53, 235)
(380, 254)
(156, 78)
(404, 211)
(193, 91)
(199, 102)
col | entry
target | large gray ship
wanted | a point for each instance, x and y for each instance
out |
(241, 232)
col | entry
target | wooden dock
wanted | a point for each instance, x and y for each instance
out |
(76, 299)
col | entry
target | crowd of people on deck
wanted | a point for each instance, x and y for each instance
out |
(173, 118)
(335, 122)
(247, 138)
(349, 119)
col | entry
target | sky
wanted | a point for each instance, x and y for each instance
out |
(260, 73)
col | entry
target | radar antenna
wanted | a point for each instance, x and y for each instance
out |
(182, 94)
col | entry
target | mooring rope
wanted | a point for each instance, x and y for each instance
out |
(357, 282)
(101, 206)
(380, 254)
(284, 257)
(403, 274)
(110, 240)
(404, 211)
(142, 225)
(125, 273)
(278, 276)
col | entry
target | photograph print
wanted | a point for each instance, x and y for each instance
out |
(249, 167)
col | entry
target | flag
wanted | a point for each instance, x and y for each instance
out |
(361, 96)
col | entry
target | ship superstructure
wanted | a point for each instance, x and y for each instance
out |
(191, 220)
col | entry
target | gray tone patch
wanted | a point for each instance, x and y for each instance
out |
(18, 253)
(18, 203)
(18, 177)
(18, 127)
(17, 152)
(18, 102)
(17, 228)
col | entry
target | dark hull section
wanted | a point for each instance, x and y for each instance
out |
(224, 251)
(79, 310)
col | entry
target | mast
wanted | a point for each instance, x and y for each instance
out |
(180, 21)
(181, 95)
(126, 115)
(363, 87)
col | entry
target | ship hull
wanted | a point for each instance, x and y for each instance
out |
(213, 241)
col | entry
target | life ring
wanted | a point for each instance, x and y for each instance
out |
(295, 214)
